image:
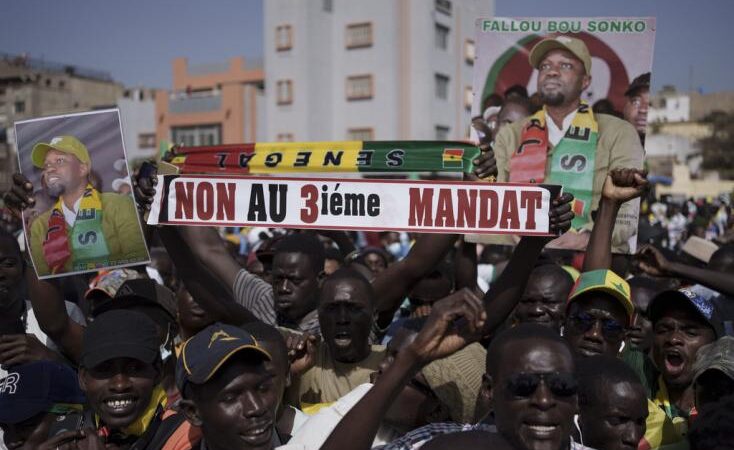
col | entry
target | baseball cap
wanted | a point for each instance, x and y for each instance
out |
(718, 355)
(105, 285)
(697, 296)
(142, 292)
(641, 82)
(32, 388)
(120, 334)
(572, 44)
(65, 144)
(604, 281)
(207, 351)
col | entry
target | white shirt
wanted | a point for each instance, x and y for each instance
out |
(69, 215)
(555, 134)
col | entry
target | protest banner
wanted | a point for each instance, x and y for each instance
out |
(342, 156)
(617, 58)
(84, 217)
(370, 205)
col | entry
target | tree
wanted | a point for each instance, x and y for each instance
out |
(718, 149)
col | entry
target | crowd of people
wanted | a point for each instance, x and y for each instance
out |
(257, 338)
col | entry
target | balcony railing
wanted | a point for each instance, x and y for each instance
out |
(195, 104)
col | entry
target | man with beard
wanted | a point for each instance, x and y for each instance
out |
(637, 103)
(566, 143)
(85, 229)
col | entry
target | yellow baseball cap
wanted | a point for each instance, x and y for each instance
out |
(65, 144)
(604, 281)
(573, 45)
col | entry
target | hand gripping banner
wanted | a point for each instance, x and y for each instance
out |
(340, 156)
(370, 205)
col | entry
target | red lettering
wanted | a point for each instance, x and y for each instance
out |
(467, 211)
(420, 207)
(488, 201)
(445, 209)
(225, 201)
(310, 211)
(184, 200)
(531, 200)
(509, 219)
(205, 200)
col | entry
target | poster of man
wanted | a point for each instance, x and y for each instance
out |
(571, 94)
(75, 219)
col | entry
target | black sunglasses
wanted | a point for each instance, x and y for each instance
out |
(583, 322)
(525, 384)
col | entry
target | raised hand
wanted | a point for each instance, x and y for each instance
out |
(20, 195)
(622, 185)
(301, 351)
(485, 165)
(144, 181)
(561, 214)
(653, 262)
(455, 321)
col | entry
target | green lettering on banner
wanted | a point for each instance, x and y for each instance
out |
(616, 26)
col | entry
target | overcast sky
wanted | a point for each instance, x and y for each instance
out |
(135, 40)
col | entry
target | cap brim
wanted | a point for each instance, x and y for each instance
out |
(206, 376)
(13, 412)
(624, 301)
(539, 51)
(728, 371)
(38, 154)
(118, 350)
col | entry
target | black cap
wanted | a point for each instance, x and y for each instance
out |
(697, 297)
(206, 352)
(142, 292)
(641, 82)
(120, 334)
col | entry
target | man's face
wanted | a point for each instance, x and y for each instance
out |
(543, 302)
(427, 292)
(540, 418)
(561, 78)
(238, 406)
(119, 390)
(511, 113)
(29, 434)
(11, 271)
(63, 173)
(375, 263)
(616, 420)
(595, 325)
(416, 404)
(295, 285)
(635, 110)
(640, 332)
(191, 316)
(678, 335)
(346, 315)
(711, 386)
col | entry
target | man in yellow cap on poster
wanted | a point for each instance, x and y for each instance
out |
(566, 143)
(84, 229)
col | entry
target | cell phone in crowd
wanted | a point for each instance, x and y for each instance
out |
(68, 422)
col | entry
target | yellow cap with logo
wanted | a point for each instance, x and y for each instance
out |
(572, 44)
(64, 144)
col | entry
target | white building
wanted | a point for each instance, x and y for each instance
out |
(137, 114)
(669, 106)
(369, 70)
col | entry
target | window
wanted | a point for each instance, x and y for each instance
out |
(443, 6)
(468, 97)
(442, 86)
(470, 51)
(19, 107)
(197, 135)
(285, 92)
(359, 35)
(442, 132)
(283, 38)
(442, 37)
(146, 140)
(359, 87)
(284, 137)
(360, 134)
(328, 5)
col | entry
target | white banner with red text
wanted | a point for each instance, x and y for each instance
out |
(353, 204)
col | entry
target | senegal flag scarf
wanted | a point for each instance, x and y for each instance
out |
(339, 156)
(88, 247)
(572, 163)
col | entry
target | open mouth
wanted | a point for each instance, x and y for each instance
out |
(675, 363)
(342, 339)
(258, 435)
(541, 430)
(589, 350)
(120, 406)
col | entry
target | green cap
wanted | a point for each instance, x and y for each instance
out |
(573, 45)
(719, 355)
(604, 281)
(65, 144)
